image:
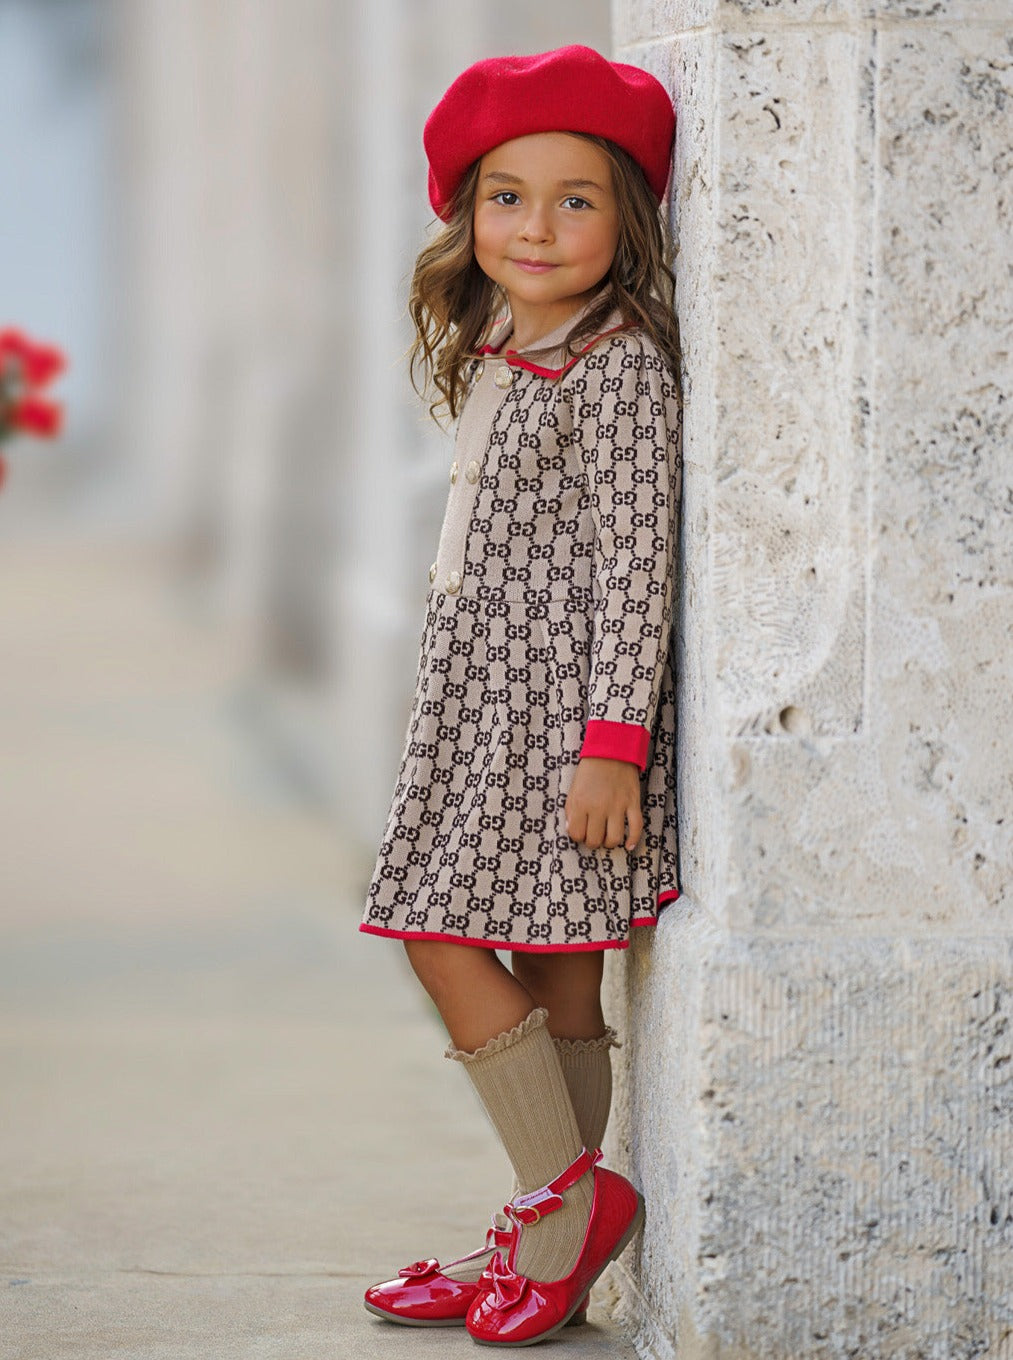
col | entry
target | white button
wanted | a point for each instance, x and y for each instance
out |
(504, 376)
(432, 573)
(453, 583)
(473, 471)
(453, 472)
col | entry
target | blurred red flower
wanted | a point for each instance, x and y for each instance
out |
(25, 367)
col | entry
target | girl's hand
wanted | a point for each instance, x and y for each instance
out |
(604, 796)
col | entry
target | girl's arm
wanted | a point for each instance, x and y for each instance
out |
(627, 431)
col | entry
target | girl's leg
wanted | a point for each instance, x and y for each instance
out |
(500, 1036)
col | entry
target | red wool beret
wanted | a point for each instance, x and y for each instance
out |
(571, 89)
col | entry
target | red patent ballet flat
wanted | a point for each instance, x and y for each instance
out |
(422, 1296)
(516, 1311)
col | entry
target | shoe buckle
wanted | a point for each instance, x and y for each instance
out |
(526, 1216)
(529, 1209)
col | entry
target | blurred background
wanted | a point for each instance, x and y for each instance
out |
(213, 209)
(212, 593)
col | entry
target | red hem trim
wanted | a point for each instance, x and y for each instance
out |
(513, 358)
(669, 895)
(617, 741)
(504, 945)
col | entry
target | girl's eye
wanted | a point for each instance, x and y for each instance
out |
(509, 199)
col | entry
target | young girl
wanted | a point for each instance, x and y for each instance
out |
(534, 812)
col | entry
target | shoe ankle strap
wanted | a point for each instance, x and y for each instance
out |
(527, 1209)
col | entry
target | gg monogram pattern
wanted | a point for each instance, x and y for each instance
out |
(547, 635)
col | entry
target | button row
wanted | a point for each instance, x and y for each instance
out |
(503, 378)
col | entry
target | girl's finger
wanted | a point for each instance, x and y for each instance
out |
(636, 821)
(595, 833)
(616, 827)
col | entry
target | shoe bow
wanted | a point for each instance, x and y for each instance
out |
(419, 1268)
(508, 1288)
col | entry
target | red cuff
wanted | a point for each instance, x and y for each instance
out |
(617, 741)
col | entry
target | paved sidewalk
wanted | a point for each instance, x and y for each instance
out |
(223, 1110)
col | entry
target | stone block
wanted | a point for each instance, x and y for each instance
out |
(824, 1137)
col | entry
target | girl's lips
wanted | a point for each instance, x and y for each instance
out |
(533, 266)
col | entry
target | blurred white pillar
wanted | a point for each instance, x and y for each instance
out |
(160, 131)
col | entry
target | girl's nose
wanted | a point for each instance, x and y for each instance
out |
(536, 225)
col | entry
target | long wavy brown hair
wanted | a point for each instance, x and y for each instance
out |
(452, 302)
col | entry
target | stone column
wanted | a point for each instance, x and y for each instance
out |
(816, 1090)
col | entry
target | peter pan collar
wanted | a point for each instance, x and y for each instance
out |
(548, 345)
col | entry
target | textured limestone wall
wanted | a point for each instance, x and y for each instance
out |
(817, 1088)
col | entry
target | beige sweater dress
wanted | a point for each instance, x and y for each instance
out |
(547, 636)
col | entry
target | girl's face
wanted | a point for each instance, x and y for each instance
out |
(546, 226)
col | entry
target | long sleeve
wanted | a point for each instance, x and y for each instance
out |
(627, 428)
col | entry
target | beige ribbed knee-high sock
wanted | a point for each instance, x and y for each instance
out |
(520, 1082)
(587, 1071)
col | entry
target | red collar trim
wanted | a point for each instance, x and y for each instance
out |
(517, 361)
